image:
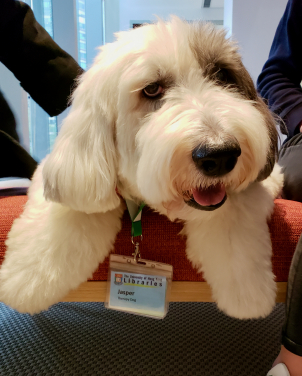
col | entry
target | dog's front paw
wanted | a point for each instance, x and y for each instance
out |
(25, 291)
(247, 300)
(52, 251)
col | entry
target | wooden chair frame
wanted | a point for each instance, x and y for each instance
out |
(95, 291)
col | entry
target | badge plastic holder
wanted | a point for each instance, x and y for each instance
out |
(138, 286)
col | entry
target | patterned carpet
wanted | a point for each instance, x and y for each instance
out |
(86, 339)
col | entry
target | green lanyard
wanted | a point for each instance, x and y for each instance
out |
(135, 212)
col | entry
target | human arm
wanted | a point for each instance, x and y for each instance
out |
(44, 70)
(279, 81)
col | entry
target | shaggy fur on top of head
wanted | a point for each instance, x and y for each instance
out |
(168, 115)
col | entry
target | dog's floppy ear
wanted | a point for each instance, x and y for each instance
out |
(273, 137)
(247, 86)
(80, 172)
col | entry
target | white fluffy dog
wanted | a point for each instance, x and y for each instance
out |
(167, 115)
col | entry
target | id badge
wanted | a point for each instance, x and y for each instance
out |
(139, 287)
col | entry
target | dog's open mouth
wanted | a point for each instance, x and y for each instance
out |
(209, 198)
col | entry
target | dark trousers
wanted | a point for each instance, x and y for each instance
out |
(290, 158)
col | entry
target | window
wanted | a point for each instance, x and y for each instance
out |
(81, 23)
(41, 127)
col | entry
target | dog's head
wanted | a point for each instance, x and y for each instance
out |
(169, 115)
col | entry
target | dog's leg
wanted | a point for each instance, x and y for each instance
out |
(233, 250)
(51, 249)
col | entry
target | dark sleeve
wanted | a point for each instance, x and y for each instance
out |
(8, 122)
(44, 70)
(280, 79)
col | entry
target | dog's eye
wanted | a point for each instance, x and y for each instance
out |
(153, 90)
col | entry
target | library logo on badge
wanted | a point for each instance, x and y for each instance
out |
(118, 279)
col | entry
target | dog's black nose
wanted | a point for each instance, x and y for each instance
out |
(216, 160)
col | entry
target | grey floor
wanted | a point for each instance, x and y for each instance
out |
(87, 339)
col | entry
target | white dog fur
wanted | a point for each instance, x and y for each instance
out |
(117, 136)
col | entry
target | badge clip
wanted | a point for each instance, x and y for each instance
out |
(136, 255)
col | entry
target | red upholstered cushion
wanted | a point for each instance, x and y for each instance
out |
(10, 209)
(162, 243)
(285, 228)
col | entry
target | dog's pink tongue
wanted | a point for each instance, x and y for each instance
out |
(212, 195)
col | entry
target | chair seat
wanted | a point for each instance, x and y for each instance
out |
(162, 242)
